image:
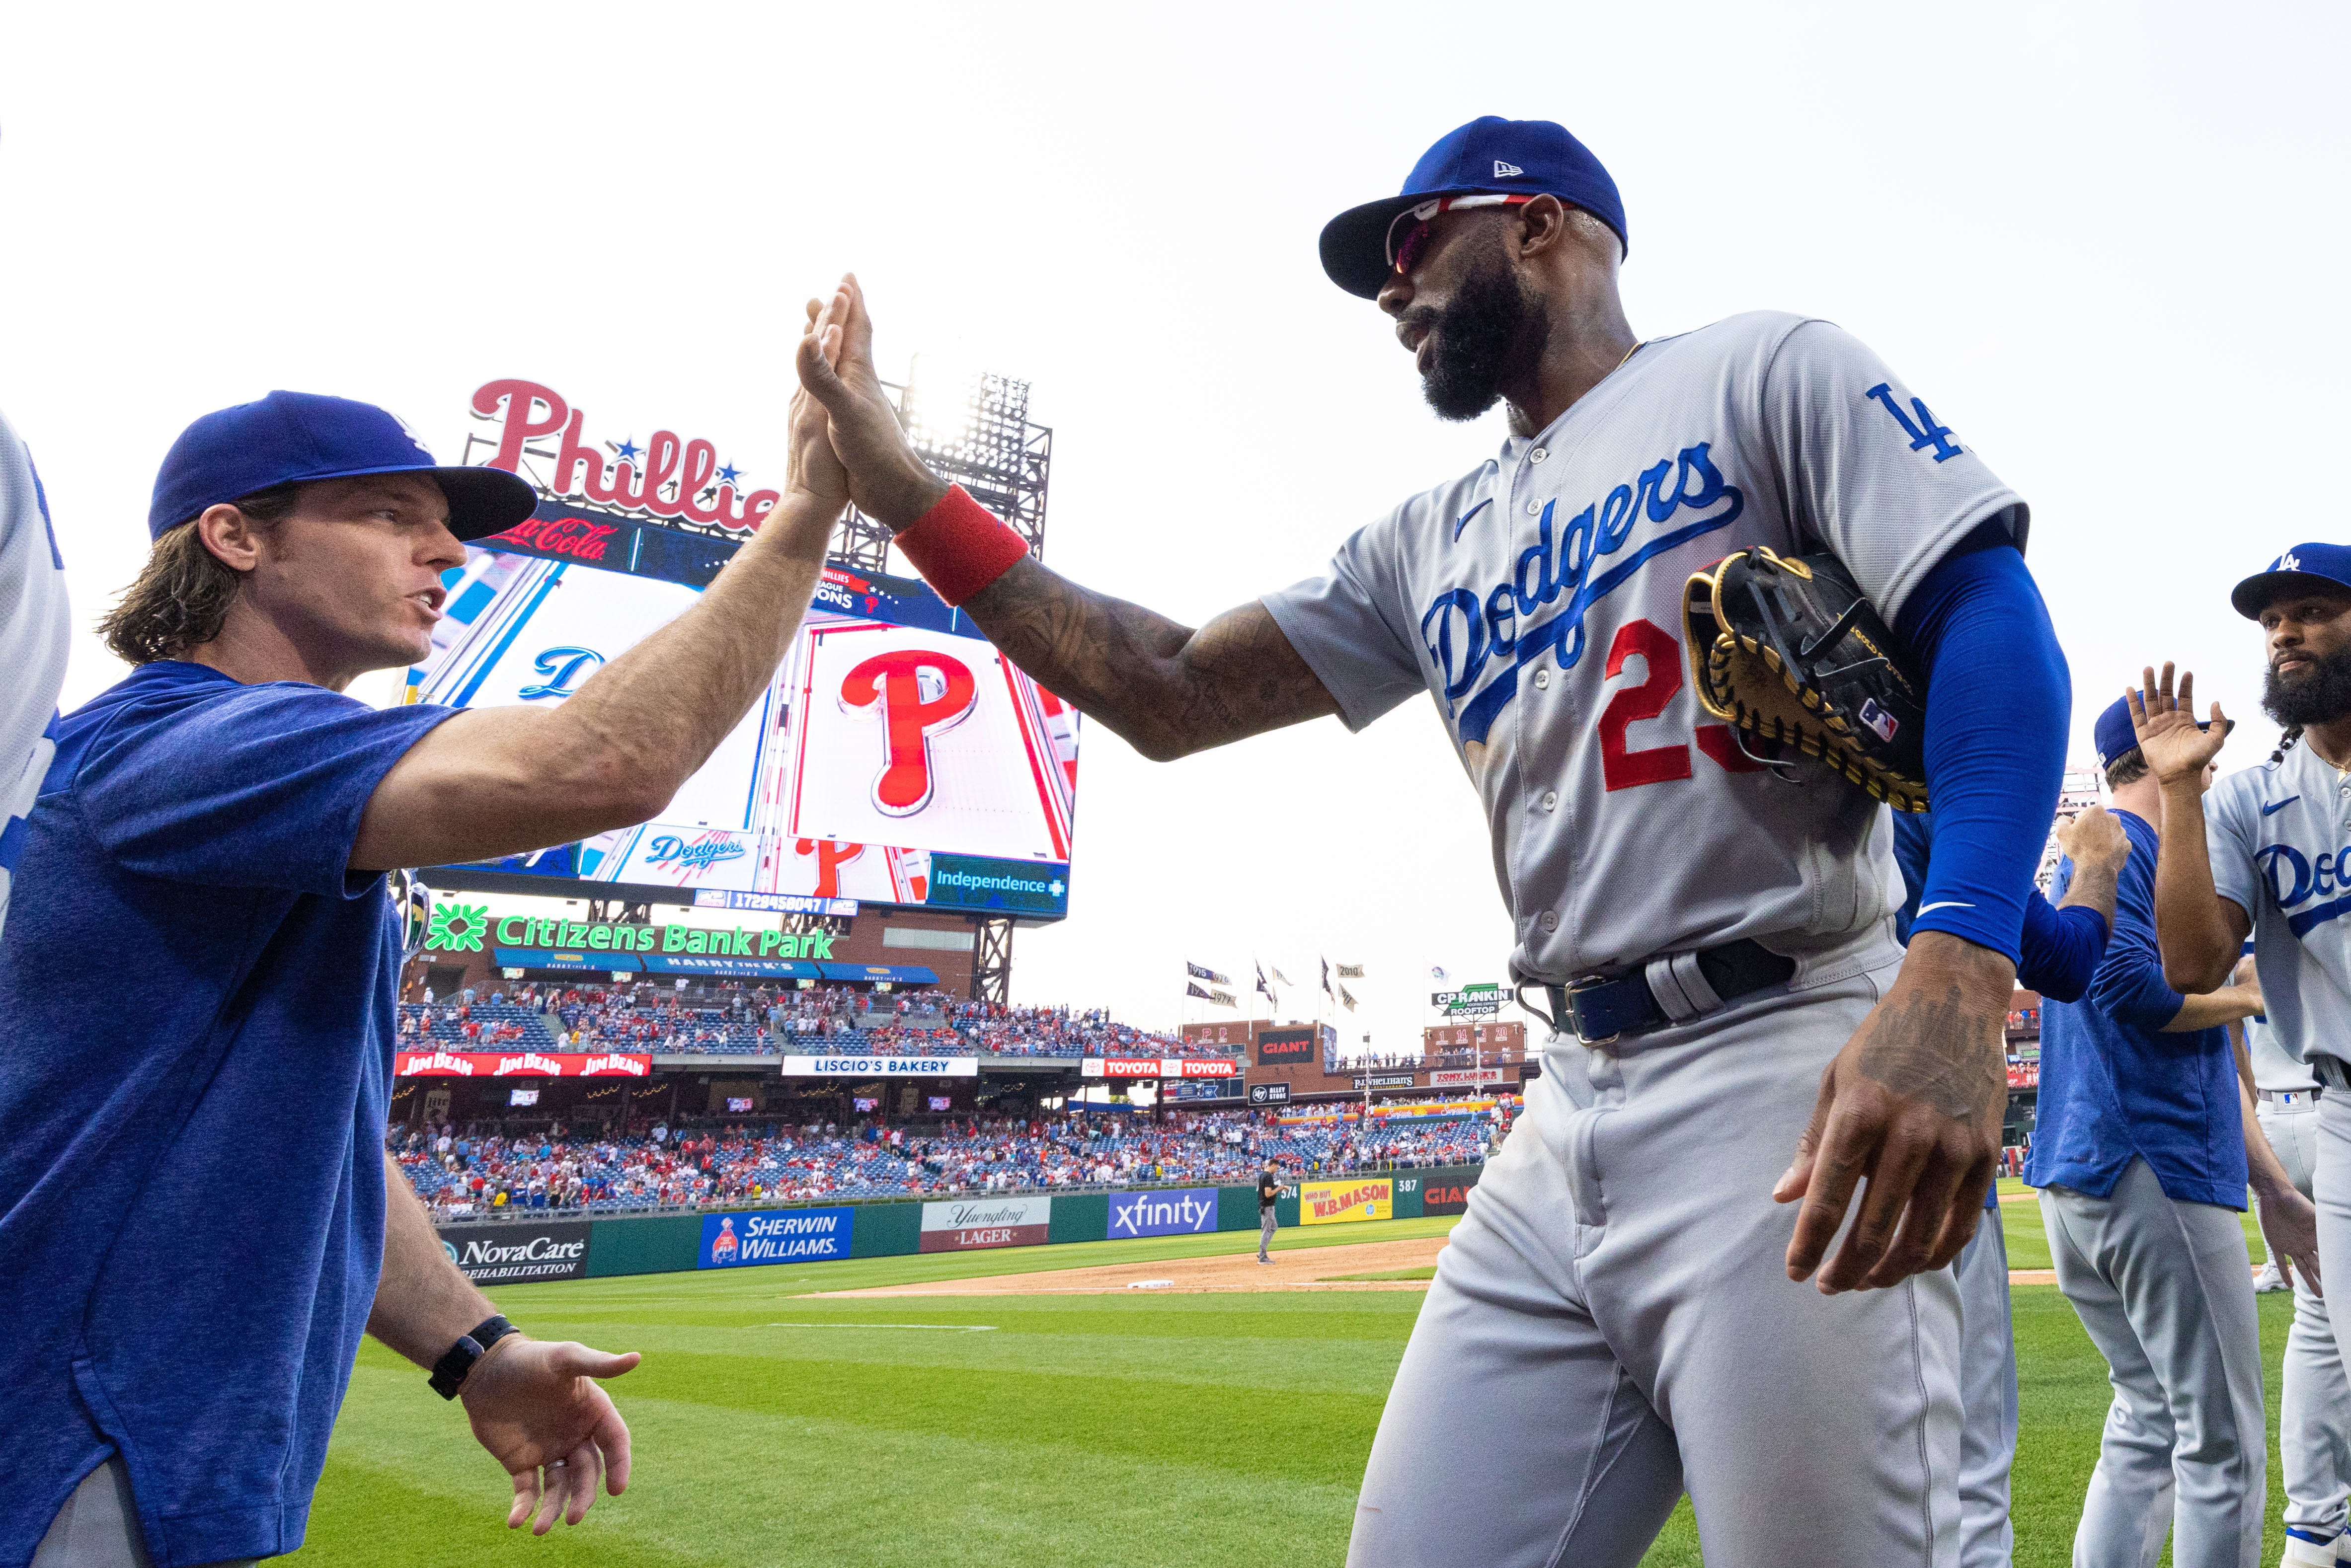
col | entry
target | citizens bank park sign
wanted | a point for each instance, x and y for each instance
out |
(1156, 1067)
(520, 1064)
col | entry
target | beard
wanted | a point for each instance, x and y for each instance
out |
(1489, 334)
(2317, 697)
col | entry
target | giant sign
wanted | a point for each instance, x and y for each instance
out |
(894, 757)
(881, 1067)
(773, 1236)
(1447, 1190)
(1283, 1047)
(963, 1225)
(520, 1064)
(1346, 1201)
(522, 1249)
(1163, 1213)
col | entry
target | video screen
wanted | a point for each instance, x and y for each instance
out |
(895, 758)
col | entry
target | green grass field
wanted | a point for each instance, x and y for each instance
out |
(1016, 1431)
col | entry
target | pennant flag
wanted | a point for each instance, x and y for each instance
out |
(1264, 986)
(1351, 972)
(1284, 979)
(1345, 1000)
(1326, 976)
(1211, 976)
(1222, 999)
(1192, 990)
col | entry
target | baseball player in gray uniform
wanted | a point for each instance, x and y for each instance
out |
(1739, 1040)
(2262, 857)
(2315, 1402)
(33, 639)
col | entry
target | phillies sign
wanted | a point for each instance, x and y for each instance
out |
(530, 1063)
(668, 478)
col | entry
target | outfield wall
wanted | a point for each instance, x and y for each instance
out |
(508, 1251)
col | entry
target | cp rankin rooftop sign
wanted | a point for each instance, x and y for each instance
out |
(674, 480)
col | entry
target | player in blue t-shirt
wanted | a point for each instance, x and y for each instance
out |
(198, 1216)
(2142, 1148)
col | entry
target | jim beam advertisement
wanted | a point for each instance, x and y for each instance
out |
(504, 1254)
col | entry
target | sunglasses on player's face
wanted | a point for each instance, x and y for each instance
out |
(1414, 222)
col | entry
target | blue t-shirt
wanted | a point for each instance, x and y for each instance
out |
(2114, 1086)
(199, 1033)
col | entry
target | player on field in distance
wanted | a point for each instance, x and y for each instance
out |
(2262, 857)
(2061, 946)
(1738, 1029)
(2142, 1148)
(1269, 1199)
(215, 831)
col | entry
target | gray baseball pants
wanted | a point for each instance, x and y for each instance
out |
(2165, 1289)
(1616, 1303)
(1988, 1392)
(2314, 1406)
(1266, 1219)
(99, 1527)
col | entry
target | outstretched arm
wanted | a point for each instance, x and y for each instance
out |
(1166, 688)
(2198, 933)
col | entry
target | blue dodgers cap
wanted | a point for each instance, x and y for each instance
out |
(1518, 156)
(289, 436)
(2325, 567)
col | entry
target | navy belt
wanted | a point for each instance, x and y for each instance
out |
(1672, 988)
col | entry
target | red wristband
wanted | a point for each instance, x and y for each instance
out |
(959, 546)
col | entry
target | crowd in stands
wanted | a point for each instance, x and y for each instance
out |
(489, 1169)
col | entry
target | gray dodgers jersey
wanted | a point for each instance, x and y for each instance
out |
(2279, 835)
(1538, 599)
(33, 632)
(2275, 1068)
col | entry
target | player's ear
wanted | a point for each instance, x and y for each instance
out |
(230, 536)
(1542, 226)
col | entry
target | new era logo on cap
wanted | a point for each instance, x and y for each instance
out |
(1504, 171)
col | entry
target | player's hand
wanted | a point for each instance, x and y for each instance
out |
(2289, 1226)
(2247, 978)
(536, 1407)
(1913, 1104)
(811, 468)
(2175, 747)
(2094, 839)
(887, 479)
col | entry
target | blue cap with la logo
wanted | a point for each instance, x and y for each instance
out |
(2305, 568)
(290, 437)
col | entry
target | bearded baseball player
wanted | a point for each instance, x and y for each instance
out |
(1739, 1041)
(2261, 857)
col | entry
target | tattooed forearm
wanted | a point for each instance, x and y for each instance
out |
(1166, 688)
(1939, 1052)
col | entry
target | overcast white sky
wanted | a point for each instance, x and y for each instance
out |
(2103, 241)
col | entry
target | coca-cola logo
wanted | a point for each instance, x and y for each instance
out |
(667, 477)
(574, 538)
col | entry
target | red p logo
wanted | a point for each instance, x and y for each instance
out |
(921, 694)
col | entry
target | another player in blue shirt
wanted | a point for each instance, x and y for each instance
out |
(2062, 947)
(197, 1215)
(2143, 1147)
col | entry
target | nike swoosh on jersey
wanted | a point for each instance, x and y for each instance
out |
(2273, 810)
(1463, 522)
(1945, 904)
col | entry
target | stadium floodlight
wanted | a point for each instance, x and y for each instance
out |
(972, 427)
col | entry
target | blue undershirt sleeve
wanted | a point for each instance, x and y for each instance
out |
(2061, 948)
(1998, 697)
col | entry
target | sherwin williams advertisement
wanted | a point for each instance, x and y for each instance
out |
(968, 1223)
(1341, 1202)
(1163, 1213)
(773, 1236)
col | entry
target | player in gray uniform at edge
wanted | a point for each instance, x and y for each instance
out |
(2061, 952)
(1617, 1302)
(2262, 858)
(2314, 1401)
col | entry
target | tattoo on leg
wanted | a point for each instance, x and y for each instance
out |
(1931, 1051)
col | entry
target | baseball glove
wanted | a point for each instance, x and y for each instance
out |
(1788, 651)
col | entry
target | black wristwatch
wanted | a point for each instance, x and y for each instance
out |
(449, 1372)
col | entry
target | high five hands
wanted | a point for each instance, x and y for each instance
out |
(885, 477)
(2174, 743)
